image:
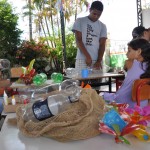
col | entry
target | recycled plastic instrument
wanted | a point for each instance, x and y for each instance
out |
(119, 122)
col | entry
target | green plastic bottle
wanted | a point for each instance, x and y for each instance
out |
(57, 77)
(40, 79)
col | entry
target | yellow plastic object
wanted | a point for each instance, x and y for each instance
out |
(142, 135)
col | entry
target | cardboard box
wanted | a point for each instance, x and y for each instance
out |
(5, 83)
(10, 108)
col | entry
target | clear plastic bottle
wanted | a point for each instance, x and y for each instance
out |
(4, 64)
(71, 88)
(54, 104)
(5, 68)
(5, 98)
(43, 109)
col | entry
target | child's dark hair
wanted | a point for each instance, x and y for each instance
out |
(97, 5)
(144, 45)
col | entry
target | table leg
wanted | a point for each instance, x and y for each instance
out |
(109, 84)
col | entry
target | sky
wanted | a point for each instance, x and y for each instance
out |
(23, 21)
(120, 17)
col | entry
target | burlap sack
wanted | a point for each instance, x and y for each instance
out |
(79, 121)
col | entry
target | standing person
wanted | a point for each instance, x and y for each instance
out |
(91, 35)
(139, 51)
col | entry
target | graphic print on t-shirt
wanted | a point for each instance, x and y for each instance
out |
(90, 35)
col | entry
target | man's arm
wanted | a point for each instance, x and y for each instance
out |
(102, 44)
(81, 46)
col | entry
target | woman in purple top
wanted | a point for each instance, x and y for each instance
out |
(139, 50)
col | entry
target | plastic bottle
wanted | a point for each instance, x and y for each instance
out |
(13, 101)
(5, 98)
(53, 105)
(43, 109)
(57, 77)
(40, 79)
(71, 88)
(4, 64)
(5, 68)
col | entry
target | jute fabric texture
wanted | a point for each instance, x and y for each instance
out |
(79, 121)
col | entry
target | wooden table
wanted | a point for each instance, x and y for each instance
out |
(99, 75)
(12, 139)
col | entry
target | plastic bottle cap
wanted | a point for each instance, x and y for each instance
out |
(146, 137)
(5, 98)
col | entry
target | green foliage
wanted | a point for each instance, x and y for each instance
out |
(9, 33)
(71, 50)
(33, 50)
(57, 53)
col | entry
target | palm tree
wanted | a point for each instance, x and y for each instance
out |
(30, 20)
(52, 21)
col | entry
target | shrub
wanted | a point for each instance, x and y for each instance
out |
(33, 50)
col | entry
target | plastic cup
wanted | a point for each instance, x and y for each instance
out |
(85, 73)
(111, 118)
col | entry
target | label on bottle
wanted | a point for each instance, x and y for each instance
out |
(41, 110)
(53, 105)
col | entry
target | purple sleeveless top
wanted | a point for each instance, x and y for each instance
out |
(123, 95)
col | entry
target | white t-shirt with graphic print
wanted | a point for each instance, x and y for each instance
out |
(91, 34)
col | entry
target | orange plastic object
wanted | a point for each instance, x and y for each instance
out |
(87, 86)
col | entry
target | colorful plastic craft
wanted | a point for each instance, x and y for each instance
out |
(28, 73)
(120, 121)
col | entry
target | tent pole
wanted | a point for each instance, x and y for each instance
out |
(139, 13)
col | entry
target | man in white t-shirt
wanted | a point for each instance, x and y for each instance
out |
(91, 35)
